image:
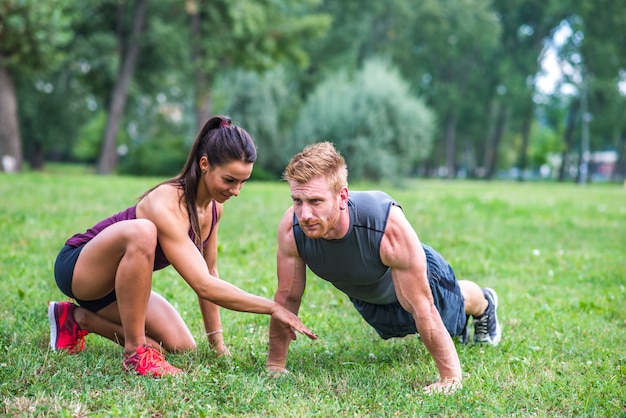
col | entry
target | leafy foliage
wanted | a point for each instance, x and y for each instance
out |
(261, 103)
(33, 33)
(162, 153)
(473, 62)
(255, 34)
(379, 126)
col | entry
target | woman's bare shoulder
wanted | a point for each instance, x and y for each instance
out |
(163, 198)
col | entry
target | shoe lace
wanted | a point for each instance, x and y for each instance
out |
(482, 324)
(151, 358)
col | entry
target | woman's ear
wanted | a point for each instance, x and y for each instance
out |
(204, 164)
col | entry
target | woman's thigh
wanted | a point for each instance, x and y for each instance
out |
(97, 265)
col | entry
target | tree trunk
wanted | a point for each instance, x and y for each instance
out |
(523, 152)
(620, 165)
(451, 144)
(108, 156)
(36, 159)
(568, 139)
(494, 142)
(204, 104)
(202, 83)
(10, 139)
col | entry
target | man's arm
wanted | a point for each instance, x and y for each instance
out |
(402, 251)
(291, 271)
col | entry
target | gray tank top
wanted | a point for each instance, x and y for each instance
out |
(352, 264)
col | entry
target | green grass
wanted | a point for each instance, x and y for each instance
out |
(556, 254)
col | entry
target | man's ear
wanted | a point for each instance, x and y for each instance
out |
(343, 194)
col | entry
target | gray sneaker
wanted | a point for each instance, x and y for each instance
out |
(486, 327)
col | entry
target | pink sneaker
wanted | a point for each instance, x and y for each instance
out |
(65, 334)
(148, 361)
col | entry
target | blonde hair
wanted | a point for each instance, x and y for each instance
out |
(320, 159)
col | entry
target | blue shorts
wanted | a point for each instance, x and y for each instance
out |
(392, 321)
(64, 274)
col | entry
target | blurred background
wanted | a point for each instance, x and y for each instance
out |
(501, 89)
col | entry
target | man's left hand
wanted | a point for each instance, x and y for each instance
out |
(447, 386)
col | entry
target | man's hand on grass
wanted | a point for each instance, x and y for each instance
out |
(276, 371)
(447, 386)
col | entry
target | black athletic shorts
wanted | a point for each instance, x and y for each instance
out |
(64, 274)
(391, 320)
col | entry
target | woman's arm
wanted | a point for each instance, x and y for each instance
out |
(210, 311)
(162, 207)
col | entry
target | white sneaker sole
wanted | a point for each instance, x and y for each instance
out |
(53, 325)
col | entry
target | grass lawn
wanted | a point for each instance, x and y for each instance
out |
(555, 253)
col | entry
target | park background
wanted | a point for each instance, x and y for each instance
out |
(437, 88)
(499, 126)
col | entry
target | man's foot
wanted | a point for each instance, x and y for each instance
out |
(65, 334)
(148, 361)
(486, 327)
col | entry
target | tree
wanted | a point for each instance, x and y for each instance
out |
(31, 36)
(592, 63)
(600, 35)
(10, 140)
(380, 127)
(246, 34)
(264, 102)
(438, 46)
(345, 46)
(129, 51)
(525, 27)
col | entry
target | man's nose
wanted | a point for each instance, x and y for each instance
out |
(305, 212)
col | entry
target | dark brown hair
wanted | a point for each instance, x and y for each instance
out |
(221, 142)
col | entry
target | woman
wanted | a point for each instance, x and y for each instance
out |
(108, 269)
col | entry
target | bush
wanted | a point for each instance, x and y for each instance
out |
(382, 130)
(262, 104)
(159, 156)
(87, 147)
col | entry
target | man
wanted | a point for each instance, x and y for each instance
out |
(363, 244)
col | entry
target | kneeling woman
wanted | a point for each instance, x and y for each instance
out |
(108, 269)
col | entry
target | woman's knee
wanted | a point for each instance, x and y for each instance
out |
(181, 346)
(141, 235)
(165, 325)
(173, 341)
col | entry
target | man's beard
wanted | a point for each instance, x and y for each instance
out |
(322, 228)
